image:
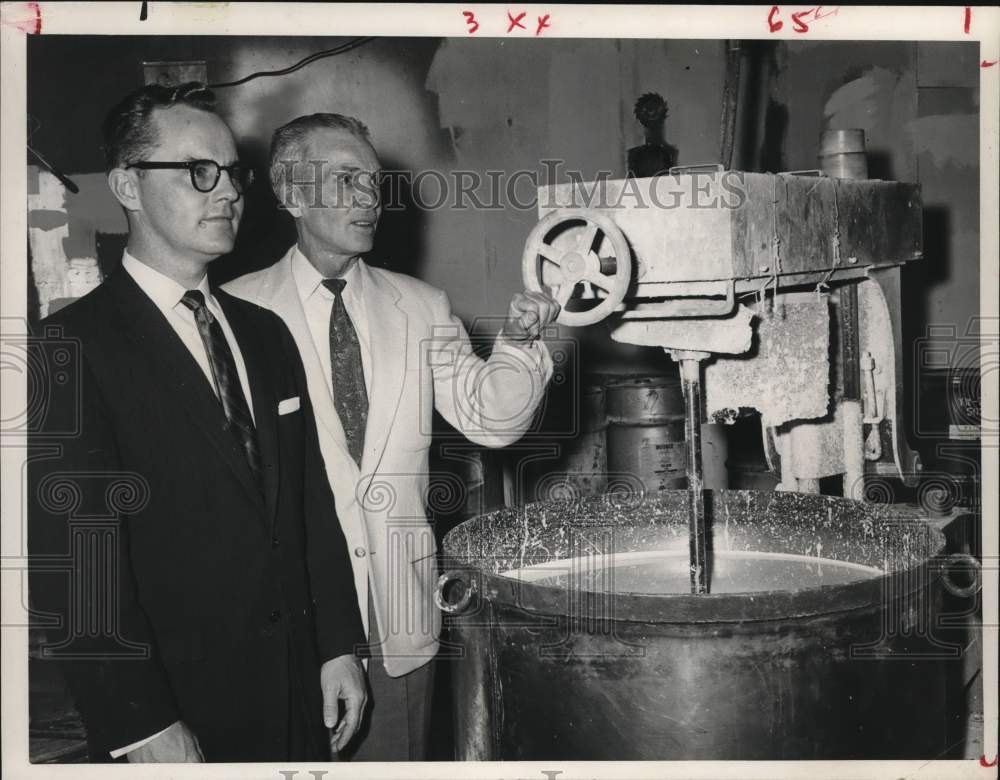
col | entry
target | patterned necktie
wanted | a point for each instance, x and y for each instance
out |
(349, 394)
(227, 380)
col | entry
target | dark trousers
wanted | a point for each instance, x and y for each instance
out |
(308, 738)
(397, 723)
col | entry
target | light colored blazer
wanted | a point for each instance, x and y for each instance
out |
(421, 360)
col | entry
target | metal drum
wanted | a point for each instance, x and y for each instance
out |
(646, 431)
(579, 641)
(579, 466)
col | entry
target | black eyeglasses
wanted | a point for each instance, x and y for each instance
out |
(205, 174)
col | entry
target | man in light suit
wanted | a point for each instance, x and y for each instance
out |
(209, 613)
(381, 351)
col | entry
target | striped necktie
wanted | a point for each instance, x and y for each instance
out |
(227, 379)
(347, 373)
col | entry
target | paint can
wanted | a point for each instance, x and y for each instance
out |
(842, 154)
(646, 431)
(580, 467)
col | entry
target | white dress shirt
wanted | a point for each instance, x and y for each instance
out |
(167, 294)
(317, 303)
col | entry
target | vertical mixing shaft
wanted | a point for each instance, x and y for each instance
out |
(690, 363)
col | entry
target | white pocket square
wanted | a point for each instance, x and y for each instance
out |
(288, 406)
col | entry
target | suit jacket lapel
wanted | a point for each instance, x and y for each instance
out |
(264, 402)
(176, 368)
(387, 332)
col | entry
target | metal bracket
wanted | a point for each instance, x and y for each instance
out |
(907, 461)
(677, 308)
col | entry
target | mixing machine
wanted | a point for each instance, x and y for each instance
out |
(715, 623)
(742, 278)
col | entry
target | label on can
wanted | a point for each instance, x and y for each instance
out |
(664, 463)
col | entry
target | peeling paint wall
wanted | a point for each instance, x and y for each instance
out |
(919, 106)
(48, 228)
(827, 85)
(945, 137)
(62, 234)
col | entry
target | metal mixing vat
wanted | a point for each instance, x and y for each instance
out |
(816, 641)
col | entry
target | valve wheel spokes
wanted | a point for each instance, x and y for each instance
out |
(600, 280)
(586, 243)
(564, 292)
(551, 254)
(579, 265)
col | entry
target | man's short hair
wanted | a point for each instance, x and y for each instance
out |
(129, 133)
(288, 142)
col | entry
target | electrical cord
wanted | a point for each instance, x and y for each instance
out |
(67, 182)
(72, 187)
(300, 64)
(730, 102)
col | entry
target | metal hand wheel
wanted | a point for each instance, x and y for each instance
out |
(563, 269)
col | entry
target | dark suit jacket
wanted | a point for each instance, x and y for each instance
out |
(192, 595)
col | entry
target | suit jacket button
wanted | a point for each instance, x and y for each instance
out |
(275, 616)
(360, 552)
(275, 542)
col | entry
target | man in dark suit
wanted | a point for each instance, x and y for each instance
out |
(217, 620)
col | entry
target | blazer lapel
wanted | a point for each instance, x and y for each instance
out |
(279, 294)
(178, 371)
(387, 332)
(264, 402)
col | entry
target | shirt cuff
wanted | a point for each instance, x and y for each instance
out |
(525, 344)
(535, 352)
(135, 745)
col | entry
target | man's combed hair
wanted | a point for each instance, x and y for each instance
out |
(288, 142)
(129, 134)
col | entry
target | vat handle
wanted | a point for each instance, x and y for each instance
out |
(452, 608)
(965, 560)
